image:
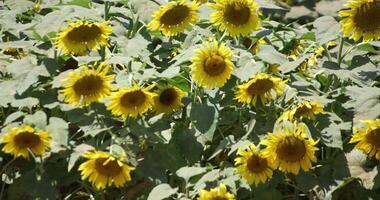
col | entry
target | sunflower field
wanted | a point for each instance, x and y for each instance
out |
(189, 99)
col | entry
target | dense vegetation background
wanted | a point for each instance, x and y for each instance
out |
(176, 155)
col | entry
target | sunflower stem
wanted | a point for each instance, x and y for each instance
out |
(107, 8)
(329, 57)
(340, 56)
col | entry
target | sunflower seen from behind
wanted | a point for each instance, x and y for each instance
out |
(131, 102)
(83, 35)
(360, 19)
(252, 166)
(20, 140)
(104, 170)
(174, 17)
(87, 84)
(290, 149)
(218, 193)
(212, 65)
(168, 99)
(367, 139)
(261, 86)
(304, 109)
(236, 17)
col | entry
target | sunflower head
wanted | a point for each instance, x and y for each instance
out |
(360, 20)
(252, 166)
(236, 17)
(19, 141)
(368, 139)
(103, 169)
(262, 86)
(16, 53)
(87, 84)
(174, 17)
(305, 109)
(293, 48)
(168, 99)
(133, 102)
(290, 149)
(82, 36)
(254, 46)
(218, 193)
(212, 66)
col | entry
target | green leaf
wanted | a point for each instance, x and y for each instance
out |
(38, 119)
(58, 128)
(26, 72)
(365, 101)
(14, 116)
(188, 172)
(204, 117)
(83, 3)
(270, 55)
(78, 151)
(327, 29)
(162, 191)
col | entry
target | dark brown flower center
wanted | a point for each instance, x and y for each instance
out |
(367, 16)
(261, 86)
(214, 65)
(27, 140)
(219, 198)
(256, 164)
(237, 14)
(175, 16)
(291, 149)
(302, 110)
(373, 138)
(84, 33)
(111, 169)
(133, 99)
(168, 96)
(88, 85)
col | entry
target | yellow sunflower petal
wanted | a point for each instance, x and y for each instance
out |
(368, 139)
(87, 84)
(290, 149)
(212, 66)
(360, 20)
(174, 17)
(236, 17)
(20, 140)
(81, 36)
(133, 102)
(103, 170)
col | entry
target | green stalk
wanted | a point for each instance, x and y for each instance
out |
(340, 55)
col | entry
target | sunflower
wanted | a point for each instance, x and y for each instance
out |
(290, 149)
(174, 17)
(212, 66)
(132, 101)
(368, 139)
(81, 36)
(252, 166)
(218, 193)
(20, 140)
(87, 84)
(16, 53)
(261, 86)
(168, 99)
(201, 1)
(254, 46)
(237, 17)
(293, 48)
(361, 20)
(103, 169)
(305, 109)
